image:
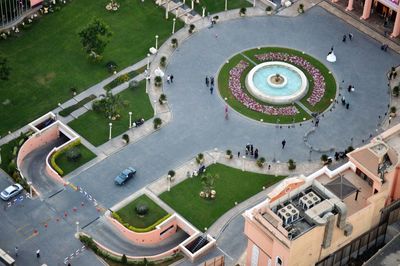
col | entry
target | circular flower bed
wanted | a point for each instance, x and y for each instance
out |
(316, 100)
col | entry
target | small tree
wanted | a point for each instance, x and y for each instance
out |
(163, 61)
(260, 162)
(349, 149)
(5, 69)
(301, 8)
(208, 181)
(73, 154)
(291, 164)
(396, 91)
(229, 154)
(125, 137)
(94, 37)
(191, 28)
(324, 158)
(268, 9)
(158, 81)
(174, 42)
(393, 109)
(111, 66)
(162, 98)
(157, 122)
(141, 209)
(200, 158)
(242, 11)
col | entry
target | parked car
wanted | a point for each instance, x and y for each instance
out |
(125, 175)
(11, 191)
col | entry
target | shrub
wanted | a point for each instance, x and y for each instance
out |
(396, 91)
(88, 241)
(123, 78)
(174, 42)
(260, 162)
(349, 149)
(158, 81)
(243, 11)
(15, 151)
(268, 9)
(163, 61)
(229, 154)
(324, 157)
(124, 259)
(12, 166)
(393, 109)
(171, 173)
(139, 230)
(126, 138)
(200, 158)
(142, 209)
(191, 28)
(291, 164)
(111, 66)
(157, 122)
(162, 98)
(133, 84)
(73, 154)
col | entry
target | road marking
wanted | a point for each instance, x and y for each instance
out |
(31, 236)
(226, 254)
(22, 227)
(73, 186)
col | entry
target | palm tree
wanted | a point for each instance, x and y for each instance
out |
(208, 181)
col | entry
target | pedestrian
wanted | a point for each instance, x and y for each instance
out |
(343, 100)
(211, 89)
(349, 88)
(256, 154)
(332, 49)
(347, 105)
(344, 38)
(16, 251)
(390, 119)
(38, 253)
(207, 81)
(168, 79)
(352, 88)
(350, 36)
(251, 149)
(172, 78)
(269, 167)
(238, 154)
(212, 81)
(317, 123)
(226, 111)
(283, 143)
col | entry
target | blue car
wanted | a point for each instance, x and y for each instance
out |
(125, 175)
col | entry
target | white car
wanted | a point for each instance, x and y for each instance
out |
(11, 191)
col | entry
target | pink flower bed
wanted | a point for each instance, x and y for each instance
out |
(236, 88)
(319, 81)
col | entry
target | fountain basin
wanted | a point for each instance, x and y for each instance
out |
(259, 82)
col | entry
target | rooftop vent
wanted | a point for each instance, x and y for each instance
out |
(288, 214)
(309, 200)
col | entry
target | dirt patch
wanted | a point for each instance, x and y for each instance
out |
(45, 79)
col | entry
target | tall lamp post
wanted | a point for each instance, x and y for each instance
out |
(156, 42)
(109, 136)
(148, 61)
(244, 157)
(169, 182)
(226, 5)
(77, 227)
(173, 25)
(130, 119)
(155, 107)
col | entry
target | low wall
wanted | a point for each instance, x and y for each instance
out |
(194, 256)
(162, 231)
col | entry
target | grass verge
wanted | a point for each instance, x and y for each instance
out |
(68, 166)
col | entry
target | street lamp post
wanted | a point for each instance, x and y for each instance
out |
(148, 61)
(156, 42)
(155, 107)
(204, 12)
(30, 188)
(169, 182)
(226, 5)
(254, 3)
(167, 10)
(130, 119)
(109, 136)
(192, 4)
(173, 25)
(77, 227)
(244, 157)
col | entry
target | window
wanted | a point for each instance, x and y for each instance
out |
(278, 262)
(254, 255)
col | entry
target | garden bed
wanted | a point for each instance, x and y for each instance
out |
(68, 165)
(215, 6)
(128, 216)
(137, 101)
(232, 186)
(67, 111)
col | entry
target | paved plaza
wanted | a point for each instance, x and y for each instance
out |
(198, 124)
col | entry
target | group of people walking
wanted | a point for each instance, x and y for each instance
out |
(210, 83)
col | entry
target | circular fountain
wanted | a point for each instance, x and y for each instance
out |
(277, 82)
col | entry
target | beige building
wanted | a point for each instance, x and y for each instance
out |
(322, 218)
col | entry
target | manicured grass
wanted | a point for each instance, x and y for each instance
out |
(94, 126)
(47, 59)
(232, 185)
(330, 92)
(128, 213)
(223, 78)
(68, 166)
(215, 6)
(65, 112)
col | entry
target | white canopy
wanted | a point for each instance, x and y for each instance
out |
(159, 72)
(331, 57)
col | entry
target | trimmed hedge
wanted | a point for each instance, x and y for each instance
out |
(58, 153)
(140, 230)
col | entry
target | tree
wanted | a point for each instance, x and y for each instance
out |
(4, 68)
(110, 104)
(208, 181)
(94, 37)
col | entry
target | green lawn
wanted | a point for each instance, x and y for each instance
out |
(330, 92)
(223, 78)
(68, 166)
(232, 185)
(215, 6)
(128, 213)
(94, 126)
(47, 59)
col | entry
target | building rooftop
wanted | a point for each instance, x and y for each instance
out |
(388, 255)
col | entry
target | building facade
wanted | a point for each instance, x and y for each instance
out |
(307, 218)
